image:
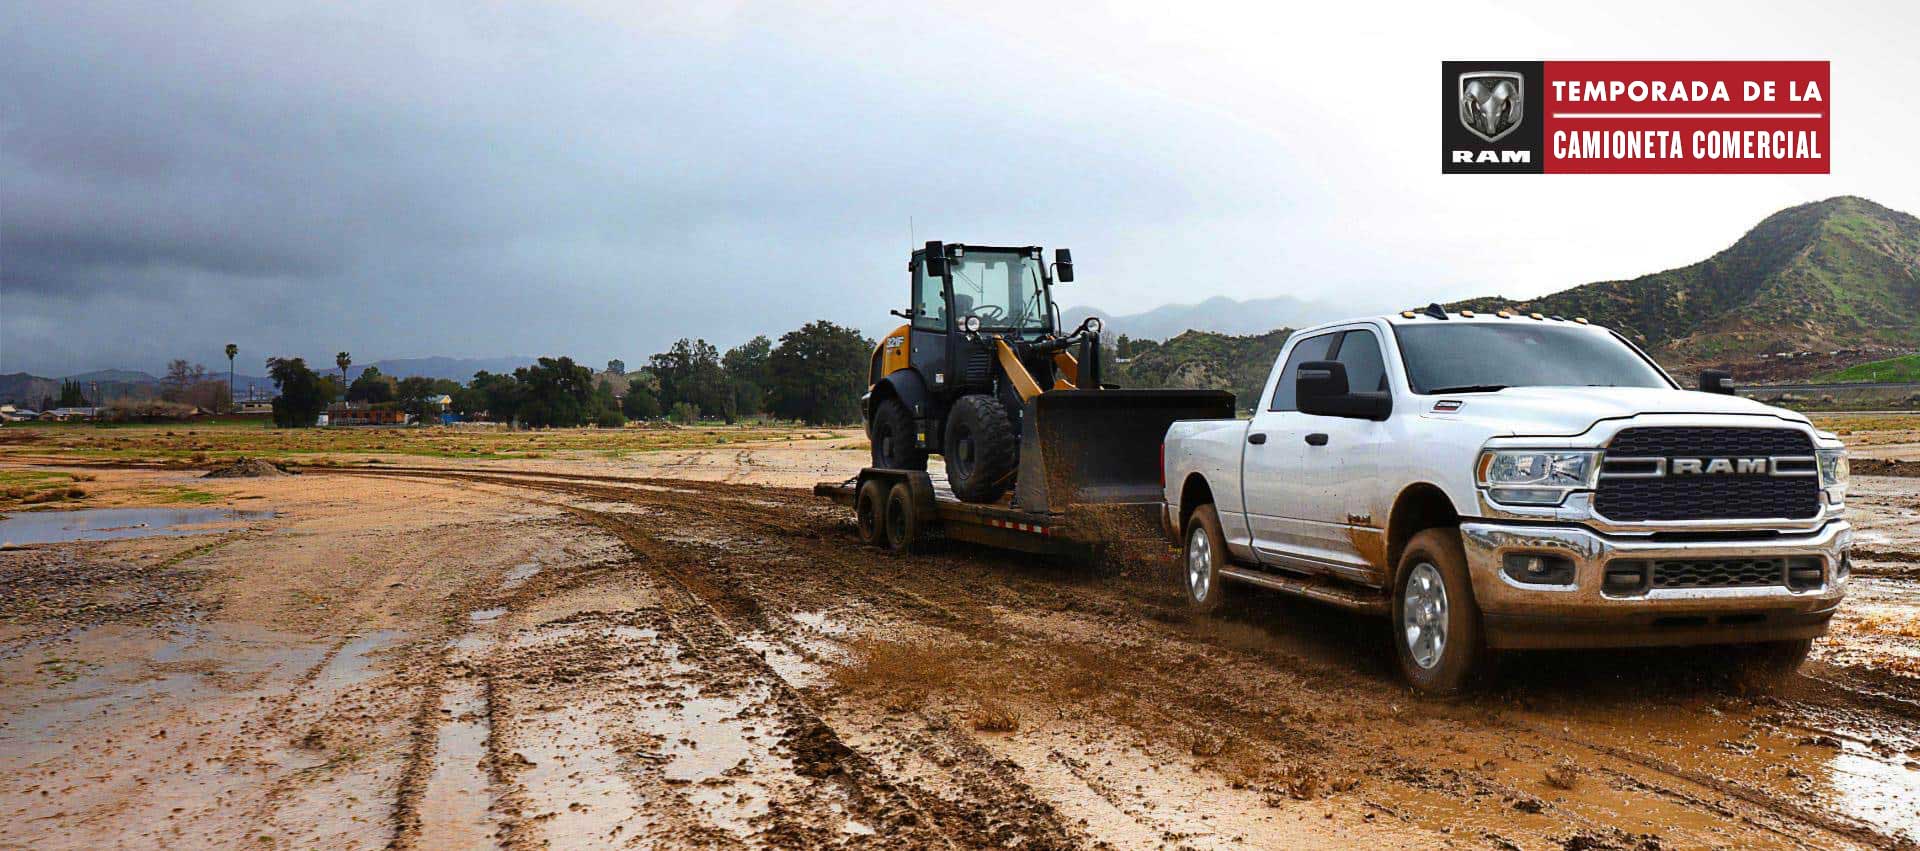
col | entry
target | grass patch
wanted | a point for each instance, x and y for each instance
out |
(1900, 369)
(178, 494)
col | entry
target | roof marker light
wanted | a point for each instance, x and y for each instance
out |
(1406, 314)
(1505, 314)
(1467, 313)
(1535, 316)
(1581, 319)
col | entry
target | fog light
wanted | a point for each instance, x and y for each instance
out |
(1537, 569)
(1625, 577)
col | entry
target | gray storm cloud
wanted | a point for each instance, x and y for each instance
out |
(434, 178)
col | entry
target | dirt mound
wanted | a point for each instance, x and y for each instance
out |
(246, 468)
(1880, 467)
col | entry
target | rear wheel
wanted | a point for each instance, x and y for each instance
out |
(1436, 621)
(902, 521)
(892, 435)
(870, 512)
(1205, 553)
(981, 449)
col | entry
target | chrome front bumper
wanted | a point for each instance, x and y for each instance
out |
(1581, 614)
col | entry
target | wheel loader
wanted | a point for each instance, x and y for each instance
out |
(982, 374)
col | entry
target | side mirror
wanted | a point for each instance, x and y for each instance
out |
(936, 258)
(1063, 266)
(1320, 388)
(1716, 381)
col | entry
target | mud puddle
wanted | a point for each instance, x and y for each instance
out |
(112, 524)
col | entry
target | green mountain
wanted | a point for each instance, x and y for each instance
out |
(1833, 274)
(1203, 359)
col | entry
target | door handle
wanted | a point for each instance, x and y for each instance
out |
(1317, 439)
(1257, 437)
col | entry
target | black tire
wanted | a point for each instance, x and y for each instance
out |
(892, 435)
(1201, 557)
(1435, 558)
(981, 449)
(902, 527)
(870, 512)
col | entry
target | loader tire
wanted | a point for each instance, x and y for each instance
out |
(892, 435)
(981, 449)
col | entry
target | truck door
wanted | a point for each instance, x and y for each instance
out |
(1273, 458)
(1340, 476)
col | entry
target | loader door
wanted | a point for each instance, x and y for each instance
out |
(933, 331)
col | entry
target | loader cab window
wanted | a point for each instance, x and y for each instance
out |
(1003, 288)
(1312, 348)
(929, 303)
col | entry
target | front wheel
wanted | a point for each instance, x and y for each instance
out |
(1436, 621)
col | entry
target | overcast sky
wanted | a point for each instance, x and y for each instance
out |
(469, 179)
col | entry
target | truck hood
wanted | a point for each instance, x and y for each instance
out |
(1568, 411)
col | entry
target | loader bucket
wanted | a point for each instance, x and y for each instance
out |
(1081, 447)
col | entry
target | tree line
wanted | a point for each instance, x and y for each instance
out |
(814, 374)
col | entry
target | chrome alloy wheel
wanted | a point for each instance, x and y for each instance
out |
(1423, 615)
(1199, 563)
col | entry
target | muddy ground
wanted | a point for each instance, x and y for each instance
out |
(684, 648)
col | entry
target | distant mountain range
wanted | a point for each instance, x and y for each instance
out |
(1219, 315)
(1843, 273)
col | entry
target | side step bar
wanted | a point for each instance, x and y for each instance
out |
(1354, 599)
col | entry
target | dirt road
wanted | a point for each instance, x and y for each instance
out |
(606, 654)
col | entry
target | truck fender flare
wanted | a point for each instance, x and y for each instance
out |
(1418, 506)
(1194, 492)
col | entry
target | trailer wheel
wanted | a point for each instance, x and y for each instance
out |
(981, 448)
(870, 512)
(893, 438)
(902, 521)
(1201, 559)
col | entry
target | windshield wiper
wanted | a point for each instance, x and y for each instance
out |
(1469, 388)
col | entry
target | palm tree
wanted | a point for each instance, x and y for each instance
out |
(343, 360)
(231, 351)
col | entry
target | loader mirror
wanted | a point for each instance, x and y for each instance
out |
(936, 258)
(1320, 388)
(1716, 381)
(1063, 265)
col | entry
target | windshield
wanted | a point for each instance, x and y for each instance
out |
(1002, 288)
(1456, 357)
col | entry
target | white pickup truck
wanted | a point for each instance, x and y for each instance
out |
(1508, 481)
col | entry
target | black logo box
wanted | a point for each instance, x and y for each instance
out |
(1529, 136)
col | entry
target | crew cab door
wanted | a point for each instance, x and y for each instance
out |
(1309, 494)
(1277, 501)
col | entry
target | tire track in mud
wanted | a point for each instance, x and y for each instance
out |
(999, 811)
(735, 592)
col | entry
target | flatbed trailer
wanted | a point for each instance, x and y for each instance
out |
(925, 510)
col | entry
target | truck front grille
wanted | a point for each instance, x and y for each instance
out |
(1624, 495)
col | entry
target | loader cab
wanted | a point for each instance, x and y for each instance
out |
(968, 292)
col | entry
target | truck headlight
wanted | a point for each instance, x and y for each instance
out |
(1536, 477)
(1833, 473)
